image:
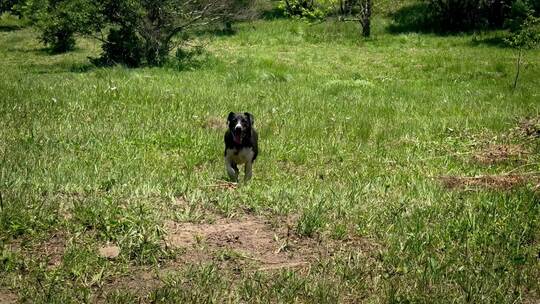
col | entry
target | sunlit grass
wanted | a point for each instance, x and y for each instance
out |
(353, 135)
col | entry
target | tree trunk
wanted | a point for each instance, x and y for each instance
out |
(365, 18)
(366, 28)
(228, 27)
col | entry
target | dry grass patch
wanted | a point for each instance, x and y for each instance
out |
(497, 182)
(529, 126)
(215, 123)
(498, 153)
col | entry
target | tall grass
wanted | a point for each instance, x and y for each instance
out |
(353, 135)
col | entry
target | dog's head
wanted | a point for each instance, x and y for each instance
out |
(240, 124)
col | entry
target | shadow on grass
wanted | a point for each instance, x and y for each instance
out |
(82, 67)
(33, 51)
(10, 27)
(273, 14)
(218, 31)
(412, 18)
(496, 41)
(60, 68)
(416, 18)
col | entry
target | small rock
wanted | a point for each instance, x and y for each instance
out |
(109, 252)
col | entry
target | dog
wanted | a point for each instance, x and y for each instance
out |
(241, 145)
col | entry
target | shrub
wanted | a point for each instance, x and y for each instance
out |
(527, 33)
(145, 30)
(122, 46)
(60, 20)
(137, 31)
(308, 9)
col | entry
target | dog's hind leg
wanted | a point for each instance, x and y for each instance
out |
(232, 170)
(248, 171)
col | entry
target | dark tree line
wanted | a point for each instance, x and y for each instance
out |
(460, 15)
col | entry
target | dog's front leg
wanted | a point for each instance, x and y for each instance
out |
(248, 171)
(232, 170)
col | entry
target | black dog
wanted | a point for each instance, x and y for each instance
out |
(240, 144)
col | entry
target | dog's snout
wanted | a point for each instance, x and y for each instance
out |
(238, 127)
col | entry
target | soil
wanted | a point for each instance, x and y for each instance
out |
(530, 126)
(248, 243)
(7, 297)
(498, 182)
(252, 242)
(493, 154)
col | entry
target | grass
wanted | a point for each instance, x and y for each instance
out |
(354, 134)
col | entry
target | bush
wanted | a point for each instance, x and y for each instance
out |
(308, 9)
(122, 46)
(527, 35)
(8, 6)
(137, 31)
(60, 20)
(146, 29)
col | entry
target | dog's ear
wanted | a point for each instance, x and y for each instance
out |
(250, 117)
(231, 116)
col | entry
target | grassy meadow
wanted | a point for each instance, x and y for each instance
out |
(395, 169)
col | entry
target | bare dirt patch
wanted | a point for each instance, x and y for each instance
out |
(139, 281)
(214, 123)
(529, 126)
(500, 153)
(248, 243)
(109, 251)
(51, 249)
(497, 182)
(7, 297)
(252, 242)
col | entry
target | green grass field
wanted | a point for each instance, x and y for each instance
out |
(360, 192)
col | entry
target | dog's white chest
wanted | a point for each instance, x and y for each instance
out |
(241, 156)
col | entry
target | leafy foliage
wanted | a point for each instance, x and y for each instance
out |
(308, 9)
(13, 7)
(137, 31)
(60, 20)
(124, 46)
(527, 35)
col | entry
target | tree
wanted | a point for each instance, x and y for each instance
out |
(64, 19)
(365, 16)
(527, 36)
(362, 9)
(143, 31)
(133, 32)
